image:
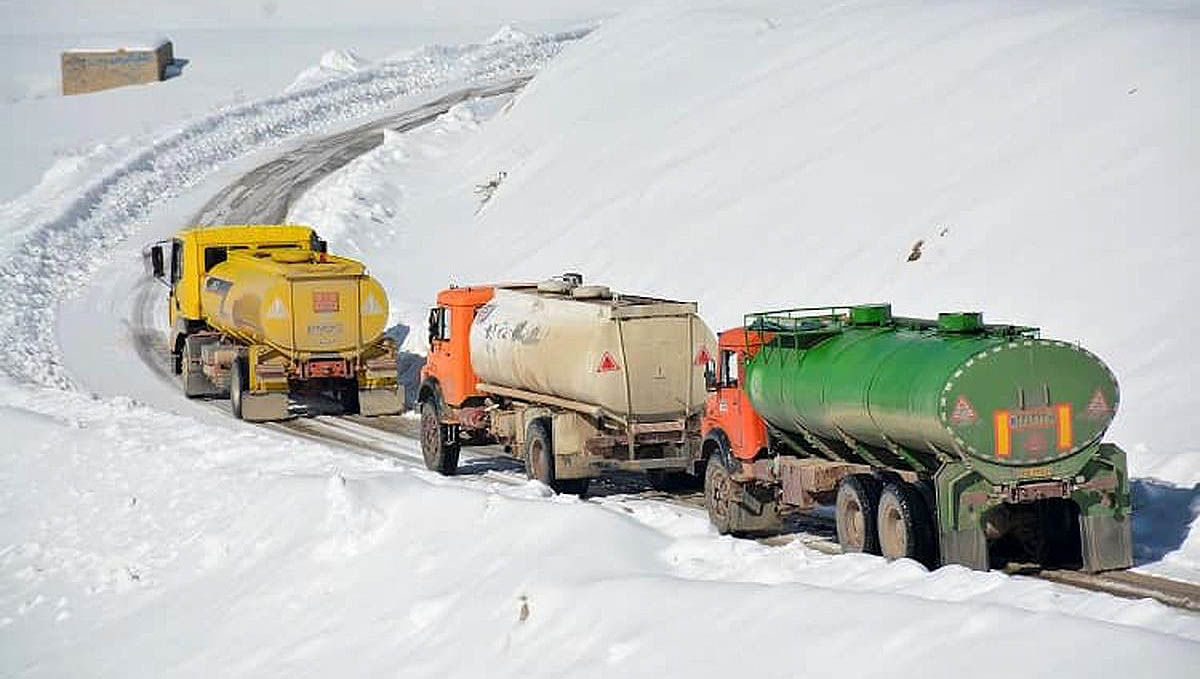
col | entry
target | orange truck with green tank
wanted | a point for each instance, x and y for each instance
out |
(944, 441)
(573, 379)
(264, 313)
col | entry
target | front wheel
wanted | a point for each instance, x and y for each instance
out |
(737, 508)
(440, 456)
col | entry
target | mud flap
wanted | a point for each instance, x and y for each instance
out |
(380, 402)
(965, 548)
(1107, 542)
(754, 510)
(264, 407)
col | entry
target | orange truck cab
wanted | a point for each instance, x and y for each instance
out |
(447, 374)
(729, 419)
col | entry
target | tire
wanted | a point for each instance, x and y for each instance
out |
(735, 508)
(856, 512)
(539, 460)
(718, 491)
(905, 524)
(239, 382)
(668, 481)
(348, 398)
(193, 382)
(440, 456)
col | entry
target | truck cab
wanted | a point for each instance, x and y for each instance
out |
(182, 262)
(729, 419)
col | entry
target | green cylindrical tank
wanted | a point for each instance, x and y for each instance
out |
(912, 389)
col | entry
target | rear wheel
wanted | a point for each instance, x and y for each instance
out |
(440, 456)
(191, 378)
(855, 511)
(239, 382)
(671, 480)
(539, 460)
(347, 397)
(905, 524)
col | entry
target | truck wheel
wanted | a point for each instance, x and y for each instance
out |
(347, 397)
(539, 460)
(440, 456)
(668, 481)
(735, 508)
(905, 524)
(239, 382)
(193, 381)
(718, 491)
(856, 510)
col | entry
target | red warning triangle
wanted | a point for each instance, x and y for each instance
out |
(608, 364)
(1098, 406)
(963, 413)
(703, 357)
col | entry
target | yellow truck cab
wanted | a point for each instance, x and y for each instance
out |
(261, 313)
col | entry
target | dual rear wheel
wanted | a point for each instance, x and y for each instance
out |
(889, 518)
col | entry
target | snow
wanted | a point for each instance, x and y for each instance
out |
(192, 549)
(796, 152)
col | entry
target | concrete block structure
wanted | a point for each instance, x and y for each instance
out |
(92, 70)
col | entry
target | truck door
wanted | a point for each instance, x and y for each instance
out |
(443, 360)
(730, 393)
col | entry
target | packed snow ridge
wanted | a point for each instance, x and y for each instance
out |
(64, 242)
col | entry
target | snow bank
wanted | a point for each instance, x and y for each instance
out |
(49, 248)
(334, 64)
(230, 550)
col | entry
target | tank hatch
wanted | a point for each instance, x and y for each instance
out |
(871, 314)
(960, 321)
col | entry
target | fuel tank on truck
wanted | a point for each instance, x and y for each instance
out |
(636, 357)
(956, 386)
(297, 301)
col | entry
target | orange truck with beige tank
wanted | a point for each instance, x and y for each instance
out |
(264, 313)
(573, 379)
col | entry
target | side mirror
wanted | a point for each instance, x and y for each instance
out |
(710, 376)
(155, 260)
(434, 326)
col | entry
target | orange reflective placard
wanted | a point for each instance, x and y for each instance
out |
(1003, 435)
(1064, 426)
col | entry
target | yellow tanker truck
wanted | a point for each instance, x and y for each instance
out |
(260, 313)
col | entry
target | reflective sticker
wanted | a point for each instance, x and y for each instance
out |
(1003, 435)
(608, 364)
(1098, 407)
(372, 307)
(703, 357)
(964, 412)
(1064, 426)
(326, 302)
(277, 310)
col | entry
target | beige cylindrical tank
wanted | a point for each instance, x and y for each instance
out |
(633, 356)
(296, 301)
